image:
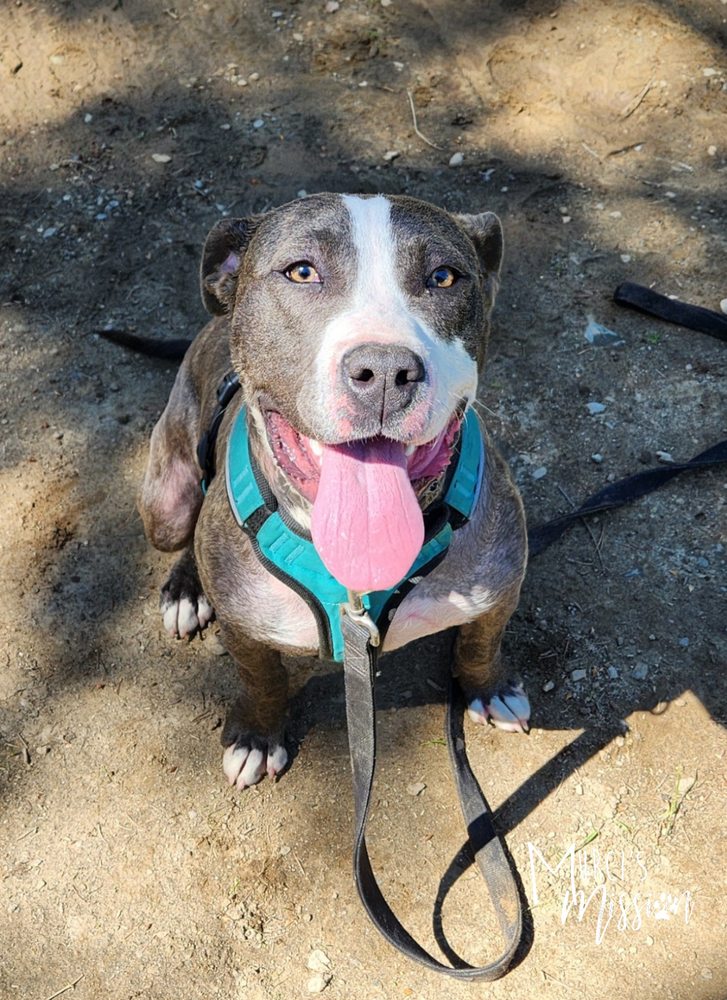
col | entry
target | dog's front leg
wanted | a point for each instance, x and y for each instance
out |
(478, 666)
(253, 735)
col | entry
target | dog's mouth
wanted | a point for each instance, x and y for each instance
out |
(367, 522)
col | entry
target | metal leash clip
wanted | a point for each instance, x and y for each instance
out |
(355, 610)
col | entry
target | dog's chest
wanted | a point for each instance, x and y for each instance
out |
(277, 615)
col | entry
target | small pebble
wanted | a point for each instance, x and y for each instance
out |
(706, 973)
(620, 741)
(51, 231)
(660, 708)
(597, 459)
(578, 675)
(665, 457)
(723, 306)
(254, 76)
(302, 193)
(318, 961)
(284, 850)
(636, 571)
(416, 789)
(613, 673)
(213, 645)
(548, 686)
(539, 473)
(626, 258)
(684, 642)
(649, 941)
(712, 150)
(332, 6)
(709, 71)
(680, 702)
(579, 789)
(88, 119)
(685, 784)
(298, 37)
(391, 154)
(671, 194)
(456, 160)
(386, 3)
(615, 215)
(160, 157)
(258, 123)
(640, 671)
(594, 408)
(318, 983)
(566, 218)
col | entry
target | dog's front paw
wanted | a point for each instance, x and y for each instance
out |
(183, 605)
(507, 707)
(247, 761)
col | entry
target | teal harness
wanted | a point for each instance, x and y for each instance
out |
(286, 552)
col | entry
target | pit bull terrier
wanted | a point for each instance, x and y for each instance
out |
(357, 326)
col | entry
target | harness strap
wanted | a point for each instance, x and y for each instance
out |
(208, 442)
(287, 552)
(359, 666)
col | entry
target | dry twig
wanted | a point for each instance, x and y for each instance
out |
(416, 127)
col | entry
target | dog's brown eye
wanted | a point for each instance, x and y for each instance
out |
(302, 273)
(443, 277)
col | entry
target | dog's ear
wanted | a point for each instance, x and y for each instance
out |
(485, 231)
(224, 249)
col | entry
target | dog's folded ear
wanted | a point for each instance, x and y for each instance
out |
(485, 231)
(224, 249)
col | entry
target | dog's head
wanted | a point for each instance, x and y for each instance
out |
(359, 327)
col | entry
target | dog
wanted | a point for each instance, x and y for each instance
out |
(357, 326)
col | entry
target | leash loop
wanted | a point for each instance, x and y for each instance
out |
(359, 665)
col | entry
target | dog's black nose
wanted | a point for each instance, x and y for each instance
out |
(382, 379)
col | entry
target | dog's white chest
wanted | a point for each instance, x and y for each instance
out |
(426, 613)
(279, 616)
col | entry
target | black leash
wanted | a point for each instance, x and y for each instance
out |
(646, 300)
(623, 492)
(360, 659)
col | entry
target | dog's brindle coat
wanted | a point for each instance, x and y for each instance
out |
(346, 318)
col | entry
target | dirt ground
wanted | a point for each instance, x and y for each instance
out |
(596, 130)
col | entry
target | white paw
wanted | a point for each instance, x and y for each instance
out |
(509, 709)
(183, 617)
(245, 766)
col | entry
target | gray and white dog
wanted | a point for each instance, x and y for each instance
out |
(358, 328)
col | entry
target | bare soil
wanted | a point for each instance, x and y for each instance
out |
(596, 130)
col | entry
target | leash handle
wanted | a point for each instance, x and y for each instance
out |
(360, 661)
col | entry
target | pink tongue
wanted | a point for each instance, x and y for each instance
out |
(367, 525)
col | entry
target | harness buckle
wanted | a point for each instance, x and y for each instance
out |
(355, 610)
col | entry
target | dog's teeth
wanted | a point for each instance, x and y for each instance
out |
(410, 449)
(315, 446)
